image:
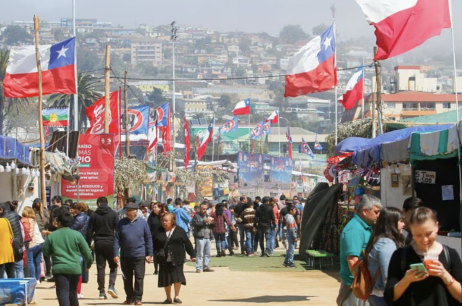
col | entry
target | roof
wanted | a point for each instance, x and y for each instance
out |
(407, 67)
(417, 97)
(446, 117)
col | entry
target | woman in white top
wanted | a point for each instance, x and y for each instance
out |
(34, 253)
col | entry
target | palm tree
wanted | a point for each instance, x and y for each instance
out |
(7, 105)
(87, 95)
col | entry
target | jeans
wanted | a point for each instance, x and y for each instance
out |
(133, 266)
(203, 250)
(376, 301)
(271, 241)
(104, 252)
(241, 237)
(34, 258)
(265, 233)
(290, 249)
(19, 269)
(249, 241)
(66, 289)
(220, 240)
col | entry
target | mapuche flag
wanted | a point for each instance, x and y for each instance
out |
(55, 117)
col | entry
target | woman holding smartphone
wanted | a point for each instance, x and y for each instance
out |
(436, 284)
(385, 239)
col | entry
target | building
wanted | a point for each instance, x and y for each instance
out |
(412, 78)
(147, 52)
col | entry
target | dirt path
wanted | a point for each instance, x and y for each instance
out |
(222, 287)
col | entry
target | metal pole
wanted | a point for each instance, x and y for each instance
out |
(107, 104)
(364, 102)
(336, 91)
(378, 77)
(374, 134)
(76, 106)
(173, 38)
(127, 131)
(279, 133)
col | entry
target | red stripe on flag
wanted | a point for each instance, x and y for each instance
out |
(242, 111)
(56, 123)
(55, 81)
(351, 96)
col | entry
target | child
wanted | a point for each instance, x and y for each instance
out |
(291, 225)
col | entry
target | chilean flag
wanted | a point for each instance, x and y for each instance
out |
(242, 108)
(402, 25)
(205, 141)
(312, 68)
(274, 118)
(354, 90)
(58, 70)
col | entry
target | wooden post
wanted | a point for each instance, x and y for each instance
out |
(107, 74)
(378, 77)
(40, 102)
(127, 132)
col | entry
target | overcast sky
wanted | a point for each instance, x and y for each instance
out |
(252, 16)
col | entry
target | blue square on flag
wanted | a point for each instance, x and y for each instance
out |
(62, 54)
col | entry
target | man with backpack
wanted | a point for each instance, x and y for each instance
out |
(353, 241)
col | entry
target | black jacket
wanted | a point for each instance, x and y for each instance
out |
(264, 217)
(80, 223)
(177, 244)
(102, 225)
(13, 217)
(154, 225)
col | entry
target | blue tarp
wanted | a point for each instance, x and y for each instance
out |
(368, 150)
(10, 148)
(15, 290)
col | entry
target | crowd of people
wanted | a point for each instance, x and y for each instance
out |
(61, 242)
(406, 264)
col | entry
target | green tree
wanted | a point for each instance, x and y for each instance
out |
(225, 101)
(292, 34)
(147, 69)
(88, 61)
(319, 29)
(245, 44)
(156, 96)
(14, 35)
(59, 34)
(87, 95)
(7, 105)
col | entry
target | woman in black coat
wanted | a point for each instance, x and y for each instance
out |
(176, 242)
(157, 211)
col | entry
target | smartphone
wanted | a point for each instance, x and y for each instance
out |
(419, 267)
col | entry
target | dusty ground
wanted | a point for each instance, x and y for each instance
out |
(266, 282)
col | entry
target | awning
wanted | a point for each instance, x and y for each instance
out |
(12, 149)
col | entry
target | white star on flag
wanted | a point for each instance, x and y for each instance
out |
(327, 42)
(62, 52)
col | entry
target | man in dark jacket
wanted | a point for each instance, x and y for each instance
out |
(237, 212)
(265, 223)
(13, 217)
(202, 224)
(101, 229)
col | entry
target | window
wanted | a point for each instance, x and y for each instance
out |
(391, 104)
(446, 105)
(427, 106)
(411, 106)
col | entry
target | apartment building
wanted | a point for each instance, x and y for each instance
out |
(147, 52)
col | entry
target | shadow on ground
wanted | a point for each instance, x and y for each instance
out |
(269, 299)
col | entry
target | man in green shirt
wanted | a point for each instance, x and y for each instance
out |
(66, 247)
(353, 241)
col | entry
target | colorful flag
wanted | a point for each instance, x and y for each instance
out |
(266, 128)
(58, 70)
(305, 149)
(274, 117)
(312, 68)
(152, 134)
(257, 131)
(230, 126)
(317, 145)
(186, 144)
(138, 120)
(353, 90)
(289, 139)
(205, 141)
(165, 128)
(55, 117)
(95, 114)
(402, 25)
(163, 112)
(242, 108)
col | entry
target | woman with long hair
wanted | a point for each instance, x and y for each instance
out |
(385, 239)
(34, 253)
(157, 211)
(219, 229)
(438, 281)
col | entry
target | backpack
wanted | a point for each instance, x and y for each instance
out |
(362, 283)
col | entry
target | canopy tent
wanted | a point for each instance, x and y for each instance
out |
(446, 117)
(12, 149)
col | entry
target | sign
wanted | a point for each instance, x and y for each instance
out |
(206, 187)
(96, 170)
(425, 177)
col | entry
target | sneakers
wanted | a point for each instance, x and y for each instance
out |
(267, 254)
(231, 253)
(285, 264)
(223, 254)
(292, 265)
(102, 296)
(80, 296)
(112, 292)
(198, 270)
(208, 270)
(250, 254)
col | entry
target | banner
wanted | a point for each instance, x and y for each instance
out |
(138, 121)
(96, 170)
(206, 187)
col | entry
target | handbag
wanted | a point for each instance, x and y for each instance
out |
(160, 255)
(18, 250)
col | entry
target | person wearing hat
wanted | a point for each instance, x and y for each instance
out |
(134, 240)
(122, 213)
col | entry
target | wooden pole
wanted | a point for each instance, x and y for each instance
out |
(40, 102)
(378, 77)
(107, 74)
(127, 131)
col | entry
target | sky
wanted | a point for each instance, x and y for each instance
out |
(252, 16)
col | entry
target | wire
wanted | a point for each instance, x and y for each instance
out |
(129, 87)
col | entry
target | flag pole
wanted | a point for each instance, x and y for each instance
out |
(335, 65)
(68, 130)
(362, 108)
(76, 100)
(107, 85)
(40, 102)
(213, 144)
(127, 131)
(279, 133)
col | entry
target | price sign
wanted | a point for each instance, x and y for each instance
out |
(425, 177)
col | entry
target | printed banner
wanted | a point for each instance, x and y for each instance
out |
(206, 187)
(96, 170)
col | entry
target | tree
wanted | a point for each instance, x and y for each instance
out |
(225, 101)
(7, 105)
(292, 34)
(319, 29)
(156, 96)
(14, 35)
(147, 69)
(87, 95)
(88, 60)
(245, 44)
(59, 34)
